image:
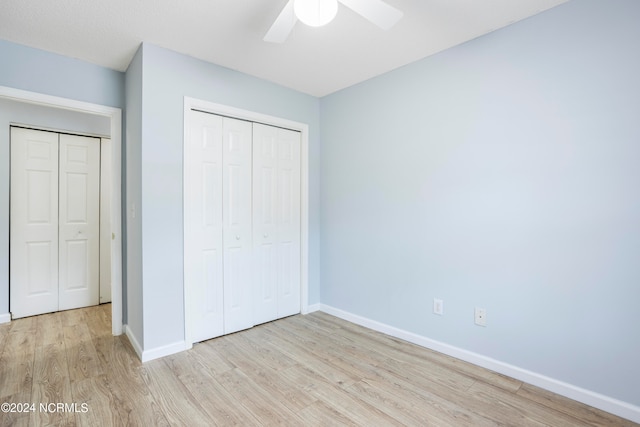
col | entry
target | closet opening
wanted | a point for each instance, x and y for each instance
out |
(245, 219)
(60, 221)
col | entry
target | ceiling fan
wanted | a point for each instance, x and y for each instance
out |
(320, 12)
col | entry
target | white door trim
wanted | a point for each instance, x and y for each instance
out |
(225, 110)
(115, 114)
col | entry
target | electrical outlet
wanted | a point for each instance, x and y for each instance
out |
(438, 306)
(481, 316)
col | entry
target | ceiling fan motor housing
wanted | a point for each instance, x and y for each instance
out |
(315, 13)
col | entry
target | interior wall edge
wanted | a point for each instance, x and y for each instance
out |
(588, 397)
(133, 340)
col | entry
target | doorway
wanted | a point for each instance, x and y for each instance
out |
(114, 115)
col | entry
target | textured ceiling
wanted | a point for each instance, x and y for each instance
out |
(317, 61)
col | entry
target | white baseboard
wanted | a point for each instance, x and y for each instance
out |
(313, 307)
(165, 350)
(605, 403)
(132, 339)
(154, 353)
(5, 318)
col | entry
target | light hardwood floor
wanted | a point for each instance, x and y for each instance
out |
(313, 370)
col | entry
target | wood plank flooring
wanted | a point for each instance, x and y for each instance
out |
(313, 370)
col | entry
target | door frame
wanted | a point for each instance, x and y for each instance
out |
(115, 115)
(303, 128)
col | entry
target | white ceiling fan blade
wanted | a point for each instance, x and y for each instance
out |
(376, 11)
(282, 26)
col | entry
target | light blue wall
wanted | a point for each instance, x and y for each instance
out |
(503, 174)
(168, 77)
(133, 311)
(39, 71)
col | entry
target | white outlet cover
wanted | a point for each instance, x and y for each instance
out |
(438, 306)
(481, 316)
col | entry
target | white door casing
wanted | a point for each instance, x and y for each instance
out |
(106, 235)
(34, 222)
(79, 221)
(115, 116)
(276, 222)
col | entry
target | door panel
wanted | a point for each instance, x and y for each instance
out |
(236, 198)
(76, 251)
(79, 221)
(289, 274)
(265, 162)
(39, 273)
(34, 222)
(203, 226)
(276, 222)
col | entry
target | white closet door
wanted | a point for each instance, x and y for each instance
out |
(79, 221)
(34, 222)
(276, 222)
(265, 189)
(288, 198)
(203, 226)
(236, 202)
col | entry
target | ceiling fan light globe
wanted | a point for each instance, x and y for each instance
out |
(315, 13)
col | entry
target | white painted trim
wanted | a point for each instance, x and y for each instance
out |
(313, 307)
(605, 403)
(58, 130)
(186, 292)
(304, 218)
(225, 110)
(115, 114)
(5, 318)
(165, 350)
(154, 353)
(133, 340)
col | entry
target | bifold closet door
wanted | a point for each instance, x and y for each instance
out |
(276, 222)
(33, 249)
(79, 222)
(203, 271)
(218, 225)
(236, 220)
(54, 244)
